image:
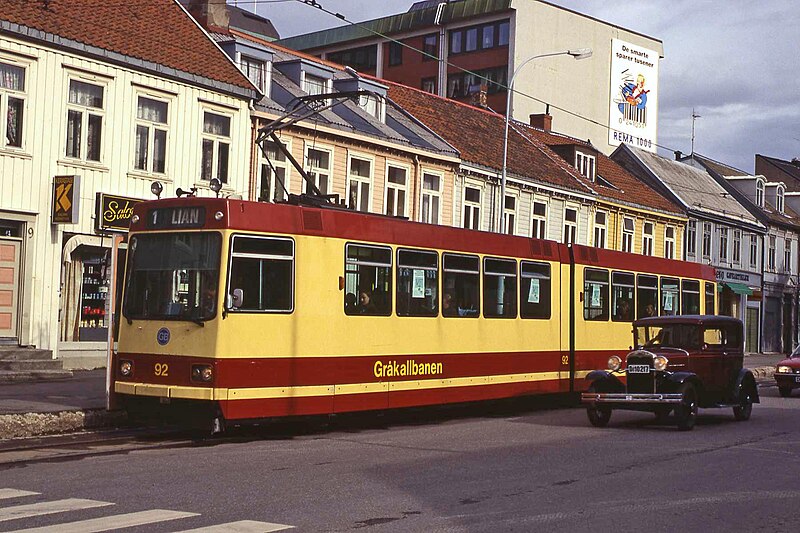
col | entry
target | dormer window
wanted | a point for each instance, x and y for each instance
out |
(373, 105)
(779, 203)
(254, 60)
(256, 71)
(585, 164)
(314, 84)
(759, 193)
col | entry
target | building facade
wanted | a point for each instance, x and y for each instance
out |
(468, 50)
(99, 105)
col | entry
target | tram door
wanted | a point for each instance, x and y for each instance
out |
(9, 287)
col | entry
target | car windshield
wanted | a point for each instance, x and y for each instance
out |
(172, 276)
(685, 336)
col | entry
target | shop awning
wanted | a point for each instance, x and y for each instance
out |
(739, 288)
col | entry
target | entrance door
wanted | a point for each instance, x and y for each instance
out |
(787, 324)
(9, 286)
(752, 330)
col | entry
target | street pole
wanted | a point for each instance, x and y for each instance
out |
(579, 53)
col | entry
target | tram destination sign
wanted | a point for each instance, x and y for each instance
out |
(176, 217)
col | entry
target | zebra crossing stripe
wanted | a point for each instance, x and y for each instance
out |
(109, 523)
(6, 494)
(243, 526)
(43, 508)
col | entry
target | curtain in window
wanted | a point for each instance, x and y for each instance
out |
(152, 110)
(71, 301)
(14, 122)
(12, 77)
(216, 125)
(85, 94)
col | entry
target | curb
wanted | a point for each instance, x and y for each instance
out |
(37, 424)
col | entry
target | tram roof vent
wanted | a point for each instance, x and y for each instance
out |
(312, 220)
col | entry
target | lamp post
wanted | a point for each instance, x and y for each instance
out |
(578, 53)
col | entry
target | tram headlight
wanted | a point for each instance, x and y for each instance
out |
(125, 368)
(784, 369)
(660, 363)
(614, 362)
(202, 373)
(134, 219)
(218, 216)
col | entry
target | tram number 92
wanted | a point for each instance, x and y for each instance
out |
(161, 369)
(564, 359)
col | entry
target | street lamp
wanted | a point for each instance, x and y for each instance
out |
(578, 53)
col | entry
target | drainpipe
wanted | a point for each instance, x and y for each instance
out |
(417, 188)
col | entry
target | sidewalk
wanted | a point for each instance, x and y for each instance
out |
(79, 402)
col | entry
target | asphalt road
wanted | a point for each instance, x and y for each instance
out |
(510, 467)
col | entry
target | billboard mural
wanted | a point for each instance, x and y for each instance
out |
(633, 109)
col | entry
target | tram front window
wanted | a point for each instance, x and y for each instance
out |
(173, 276)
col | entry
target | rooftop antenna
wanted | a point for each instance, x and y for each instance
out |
(695, 116)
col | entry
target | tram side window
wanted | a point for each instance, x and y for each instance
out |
(690, 294)
(535, 290)
(595, 294)
(499, 288)
(710, 303)
(646, 296)
(670, 297)
(623, 288)
(460, 285)
(417, 283)
(263, 268)
(367, 280)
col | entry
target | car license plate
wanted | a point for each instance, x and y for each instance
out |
(797, 379)
(639, 369)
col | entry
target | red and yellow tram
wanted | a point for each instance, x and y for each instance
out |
(254, 310)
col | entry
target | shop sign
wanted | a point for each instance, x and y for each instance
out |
(753, 280)
(66, 198)
(114, 212)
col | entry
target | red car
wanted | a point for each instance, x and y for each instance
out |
(787, 373)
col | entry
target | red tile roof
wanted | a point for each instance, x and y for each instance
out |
(157, 31)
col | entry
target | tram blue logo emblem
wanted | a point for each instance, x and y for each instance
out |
(163, 336)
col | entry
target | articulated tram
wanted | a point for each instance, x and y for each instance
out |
(247, 310)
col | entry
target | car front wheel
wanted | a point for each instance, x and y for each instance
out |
(742, 411)
(599, 415)
(686, 411)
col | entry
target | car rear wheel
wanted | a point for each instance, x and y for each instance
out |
(785, 391)
(599, 415)
(742, 411)
(686, 411)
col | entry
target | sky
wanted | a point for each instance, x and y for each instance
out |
(735, 62)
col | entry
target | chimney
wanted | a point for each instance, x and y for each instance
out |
(543, 121)
(480, 99)
(210, 14)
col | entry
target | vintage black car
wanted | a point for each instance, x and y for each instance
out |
(679, 363)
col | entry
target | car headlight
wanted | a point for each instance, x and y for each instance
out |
(784, 369)
(202, 373)
(660, 363)
(614, 363)
(125, 368)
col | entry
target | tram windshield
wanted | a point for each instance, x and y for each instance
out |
(685, 336)
(173, 276)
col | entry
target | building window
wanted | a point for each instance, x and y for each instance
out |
(753, 250)
(691, 238)
(363, 58)
(429, 85)
(585, 164)
(510, 214)
(648, 233)
(502, 33)
(539, 222)
(395, 54)
(669, 242)
(472, 208)
(771, 256)
(736, 253)
(84, 120)
(318, 167)
(274, 185)
(396, 190)
(12, 103)
(373, 105)
(600, 218)
(707, 240)
(256, 71)
(723, 245)
(430, 47)
(628, 228)
(779, 204)
(759, 193)
(481, 37)
(471, 39)
(216, 146)
(313, 85)
(359, 179)
(787, 256)
(466, 84)
(150, 154)
(431, 198)
(570, 226)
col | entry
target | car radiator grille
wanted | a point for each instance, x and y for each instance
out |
(641, 383)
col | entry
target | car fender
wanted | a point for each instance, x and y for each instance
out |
(606, 380)
(746, 378)
(676, 379)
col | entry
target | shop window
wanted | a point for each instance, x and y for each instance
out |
(623, 288)
(93, 320)
(646, 296)
(460, 285)
(670, 297)
(367, 280)
(690, 294)
(499, 288)
(535, 290)
(417, 283)
(263, 268)
(595, 294)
